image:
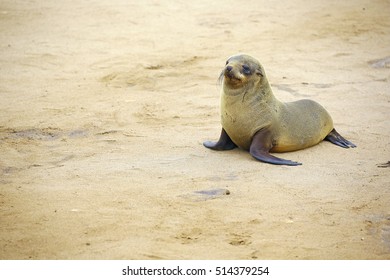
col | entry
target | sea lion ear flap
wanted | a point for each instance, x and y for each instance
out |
(259, 72)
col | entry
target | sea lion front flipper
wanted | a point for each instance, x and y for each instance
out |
(335, 138)
(224, 143)
(260, 146)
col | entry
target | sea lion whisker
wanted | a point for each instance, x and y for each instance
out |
(220, 78)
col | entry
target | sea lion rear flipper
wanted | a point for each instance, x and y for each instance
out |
(335, 138)
(224, 143)
(260, 146)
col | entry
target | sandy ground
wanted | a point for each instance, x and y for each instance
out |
(104, 106)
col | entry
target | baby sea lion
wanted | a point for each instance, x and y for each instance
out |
(253, 119)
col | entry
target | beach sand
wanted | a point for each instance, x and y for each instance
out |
(104, 106)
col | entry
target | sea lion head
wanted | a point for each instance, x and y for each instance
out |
(242, 71)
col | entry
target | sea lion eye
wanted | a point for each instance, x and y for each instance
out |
(246, 69)
(227, 61)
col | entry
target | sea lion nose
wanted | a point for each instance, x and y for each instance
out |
(229, 68)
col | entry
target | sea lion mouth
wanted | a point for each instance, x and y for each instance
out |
(231, 76)
(232, 80)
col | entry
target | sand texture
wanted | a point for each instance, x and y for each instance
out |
(104, 106)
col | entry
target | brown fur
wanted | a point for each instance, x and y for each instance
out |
(253, 119)
(248, 105)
